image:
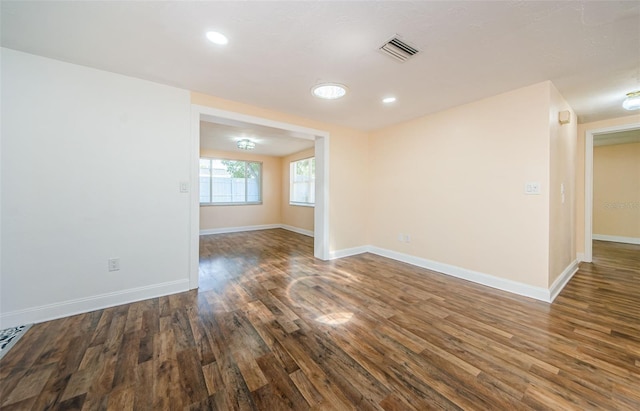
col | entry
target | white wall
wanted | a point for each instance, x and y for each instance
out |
(80, 185)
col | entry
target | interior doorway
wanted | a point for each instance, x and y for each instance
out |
(321, 209)
(591, 135)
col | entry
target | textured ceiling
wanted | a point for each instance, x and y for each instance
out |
(278, 50)
(620, 137)
(269, 141)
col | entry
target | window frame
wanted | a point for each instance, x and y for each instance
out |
(291, 182)
(246, 186)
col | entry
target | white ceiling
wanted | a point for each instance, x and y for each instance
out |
(269, 141)
(620, 137)
(278, 50)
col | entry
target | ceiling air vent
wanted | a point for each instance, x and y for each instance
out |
(398, 49)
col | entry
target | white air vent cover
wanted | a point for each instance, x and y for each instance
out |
(398, 49)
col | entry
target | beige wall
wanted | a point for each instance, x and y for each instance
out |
(219, 216)
(295, 216)
(616, 190)
(561, 187)
(454, 181)
(348, 160)
(580, 170)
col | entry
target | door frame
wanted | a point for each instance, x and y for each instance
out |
(588, 182)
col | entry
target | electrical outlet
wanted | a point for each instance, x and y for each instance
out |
(114, 264)
(407, 238)
(401, 237)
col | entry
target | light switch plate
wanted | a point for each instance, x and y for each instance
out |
(532, 188)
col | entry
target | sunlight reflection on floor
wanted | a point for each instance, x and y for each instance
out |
(335, 318)
(315, 295)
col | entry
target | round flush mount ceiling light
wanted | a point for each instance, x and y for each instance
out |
(329, 91)
(632, 102)
(388, 100)
(217, 38)
(246, 144)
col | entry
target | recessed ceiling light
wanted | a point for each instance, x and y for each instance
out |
(217, 38)
(388, 100)
(329, 91)
(632, 102)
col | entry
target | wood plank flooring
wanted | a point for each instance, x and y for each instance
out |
(272, 328)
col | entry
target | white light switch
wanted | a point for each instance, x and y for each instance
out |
(184, 187)
(532, 188)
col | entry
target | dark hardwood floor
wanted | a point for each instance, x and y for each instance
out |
(272, 328)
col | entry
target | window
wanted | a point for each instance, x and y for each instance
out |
(302, 189)
(230, 181)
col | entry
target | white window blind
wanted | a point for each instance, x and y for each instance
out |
(302, 190)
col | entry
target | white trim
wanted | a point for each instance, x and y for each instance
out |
(617, 239)
(588, 197)
(515, 287)
(240, 229)
(321, 209)
(348, 252)
(588, 183)
(563, 279)
(194, 206)
(308, 233)
(580, 257)
(87, 304)
(224, 230)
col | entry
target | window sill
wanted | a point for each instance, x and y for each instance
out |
(302, 204)
(229, 204)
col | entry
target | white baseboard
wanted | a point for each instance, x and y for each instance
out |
(239, 229)
(616, 239)
(83, 305)
(515, 287)
(225, 230)
(347, 252)
(580, 257)
(563, 279)
(308, 233)
(538, 293)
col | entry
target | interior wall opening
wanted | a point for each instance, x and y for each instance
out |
(603, 137)
(217, 132)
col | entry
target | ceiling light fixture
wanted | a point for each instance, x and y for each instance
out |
(217, 38)
(246, 144)
(388, 100)
(329, 91)
(632, 102)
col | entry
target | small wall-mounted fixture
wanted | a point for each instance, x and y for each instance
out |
(246, 144)
(632, 102)
(564, 117)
